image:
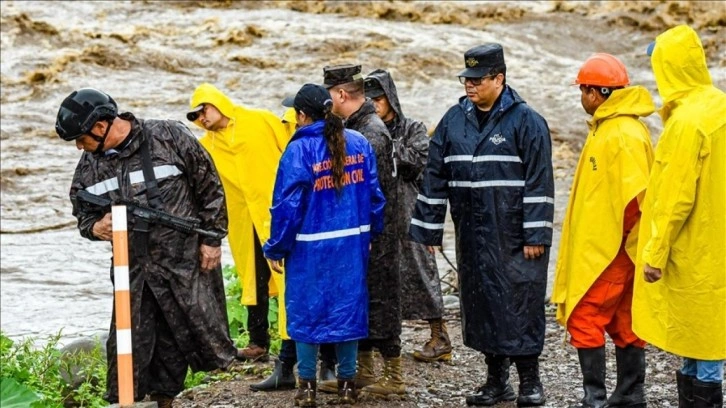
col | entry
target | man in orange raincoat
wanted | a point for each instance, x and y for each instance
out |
(594, 277)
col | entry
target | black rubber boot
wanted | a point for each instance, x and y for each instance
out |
(592, 364)
(531, 391)
(282, 378)
(685, 389)
(631, 377)
(707, 394)
(497, 387)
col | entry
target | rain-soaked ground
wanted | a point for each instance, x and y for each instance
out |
(151, 55)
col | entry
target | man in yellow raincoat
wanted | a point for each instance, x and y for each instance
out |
(246, 146)
(594, 277)
(680, 306)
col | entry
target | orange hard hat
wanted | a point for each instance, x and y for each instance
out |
(603, 70)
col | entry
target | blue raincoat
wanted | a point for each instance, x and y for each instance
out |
(324, 235)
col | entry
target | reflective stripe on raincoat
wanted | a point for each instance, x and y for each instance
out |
(683, 227)
(246, 154)
(612, 171)
(324, 235)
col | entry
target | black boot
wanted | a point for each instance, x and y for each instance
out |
(282, 378)
(592, 364)
(631, 377)
(707, 394)
(531, 392)
(497, 387)
(685, 389)
(306, 393)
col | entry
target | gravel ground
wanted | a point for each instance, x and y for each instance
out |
(446, 385)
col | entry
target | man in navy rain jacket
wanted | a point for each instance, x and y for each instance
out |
(490, 157)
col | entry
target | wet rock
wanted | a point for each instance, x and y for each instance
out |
(451, 302)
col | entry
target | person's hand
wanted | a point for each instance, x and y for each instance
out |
(432, 249)
(533, 251)
(210, 257)
(103, 228)
(652, 274)
(277, 265)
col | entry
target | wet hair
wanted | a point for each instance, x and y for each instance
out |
(355, 88)
(333, 133)
(499, 69)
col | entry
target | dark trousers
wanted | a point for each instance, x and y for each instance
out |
(257, 323)
(160, 367)
(389, 347)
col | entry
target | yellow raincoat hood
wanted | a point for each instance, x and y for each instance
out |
(246, 154)
(613, 170)
(683, 226)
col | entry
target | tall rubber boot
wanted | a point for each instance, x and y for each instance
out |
(592, 364)
(282, 378)
(707, 394)
(438, 348)
(391, 382)
(685, 389)
(497, 387)
(364, 376)
(631, 378)
(327, 371)
(306, 393)
(531, 391)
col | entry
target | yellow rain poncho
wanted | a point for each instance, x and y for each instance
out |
(683, 226)
(612, 171)
(246, 154)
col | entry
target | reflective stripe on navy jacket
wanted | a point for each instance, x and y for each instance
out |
(324, 235)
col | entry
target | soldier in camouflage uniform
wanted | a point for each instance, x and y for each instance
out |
(420, 284)
(178, 308)
(346, 86)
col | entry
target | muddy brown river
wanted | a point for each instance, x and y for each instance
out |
(151, 55)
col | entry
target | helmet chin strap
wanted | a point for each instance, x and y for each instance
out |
(101, 140)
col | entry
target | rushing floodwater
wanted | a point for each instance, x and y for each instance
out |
(150, 56)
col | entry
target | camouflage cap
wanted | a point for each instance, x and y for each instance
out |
(480, 60)
(340, 74)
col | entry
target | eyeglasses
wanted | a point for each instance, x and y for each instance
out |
(475, 81)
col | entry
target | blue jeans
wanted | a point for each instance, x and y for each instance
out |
(706, 371)
(307, 356)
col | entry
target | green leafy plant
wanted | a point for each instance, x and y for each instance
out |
(29, 371)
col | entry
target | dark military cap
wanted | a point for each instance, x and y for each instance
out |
(373, 88)
(480, 60)
(340, 74)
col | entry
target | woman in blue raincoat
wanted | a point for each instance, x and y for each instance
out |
(326, 206)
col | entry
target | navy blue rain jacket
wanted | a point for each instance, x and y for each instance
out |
(500, 187)
(324, 235)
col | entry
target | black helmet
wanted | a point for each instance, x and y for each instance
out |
(81, 110)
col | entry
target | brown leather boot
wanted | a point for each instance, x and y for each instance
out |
(391, 382)
(438, 348)
(306, 393)
(253, 353)
(365, 374)
(347, 394)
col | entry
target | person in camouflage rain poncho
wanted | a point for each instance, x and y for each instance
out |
(420, 284)
(346, 86)
(178, 312)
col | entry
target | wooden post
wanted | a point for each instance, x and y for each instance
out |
(122, 296)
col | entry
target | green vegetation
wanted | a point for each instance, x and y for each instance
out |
(38, 376)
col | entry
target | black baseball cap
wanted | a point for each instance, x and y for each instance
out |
(193, 114)
(480, 60)
(312, 99)
(373, 88)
